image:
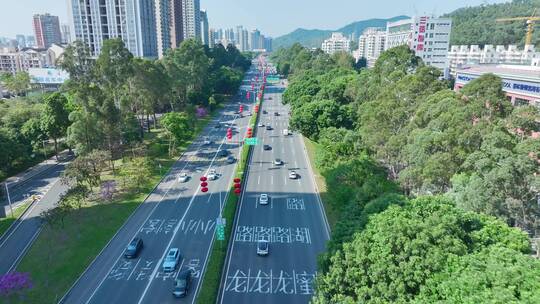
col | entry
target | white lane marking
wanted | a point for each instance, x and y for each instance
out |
(177, 228)
(180, 268)
(286, 180)
(271, 179)
(23, 252)
(259, 180)
(131, 273)
(164, 180)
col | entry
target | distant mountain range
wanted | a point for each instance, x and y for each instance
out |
(314, 38)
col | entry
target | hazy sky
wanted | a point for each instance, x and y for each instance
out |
(272, 17)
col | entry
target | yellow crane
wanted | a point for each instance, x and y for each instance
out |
(530, 24)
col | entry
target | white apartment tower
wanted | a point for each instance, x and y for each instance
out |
(336, 43)
(204, 28)
(429, 37)
(191, 11)
(93, 21)
(370, 45)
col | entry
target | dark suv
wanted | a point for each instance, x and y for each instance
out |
(181, 284)
(133, 249)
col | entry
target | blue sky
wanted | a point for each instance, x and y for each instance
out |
(272, 17)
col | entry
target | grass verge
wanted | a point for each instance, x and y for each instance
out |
(6, 222)
(62, 252)
(212, 277)
(331, 213)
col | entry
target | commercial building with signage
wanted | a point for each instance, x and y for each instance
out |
(520, 83)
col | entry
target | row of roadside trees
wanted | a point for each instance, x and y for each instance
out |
(418, 174)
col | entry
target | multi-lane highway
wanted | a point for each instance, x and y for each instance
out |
(174, 215)
(293, 222)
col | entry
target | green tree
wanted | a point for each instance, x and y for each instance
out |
(404, 247)
(55, 118)
(178, 128)
(17, 84)
(136, 173)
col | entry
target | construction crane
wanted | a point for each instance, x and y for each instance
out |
(530, 24)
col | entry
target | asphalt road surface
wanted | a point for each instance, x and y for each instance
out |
(293, 222)
(18, 238)
(175, 215)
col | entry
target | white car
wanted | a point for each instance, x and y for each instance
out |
(207, 141)
(278, 162)
(293, 175)
(261, 125)
(263, 199)
(183, 177)
(212, 175)
(171, 260)
(262, 247)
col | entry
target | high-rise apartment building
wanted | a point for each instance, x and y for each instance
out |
(94, 21)
(66, 33)
(169, 25)
(268, 44)
(370, 45)
(30, 41)
(46, 30)
(204, 28)
(242, 39)
(428, 37)
(254, 40)
(336, 43)
(191, 12)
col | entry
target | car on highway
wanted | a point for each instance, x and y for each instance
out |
(212, 174)
(265, 112)
(223, 153)
(276, 114)
(260, 125)
(286, 132)
(263, 199)
(268, 127)
(278, 162)
(183, 177)
(207, 141)
(171, 260)
(217, 126)
(181, 284)
(133, 248)
(267, 147)
(293, 175)
(262, 248)
(231, 159)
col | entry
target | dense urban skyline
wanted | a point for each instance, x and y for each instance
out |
(324, 15)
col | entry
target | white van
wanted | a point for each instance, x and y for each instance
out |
(286, 132)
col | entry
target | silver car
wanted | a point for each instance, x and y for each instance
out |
(171, 260)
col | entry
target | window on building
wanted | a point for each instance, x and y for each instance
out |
(520, 102)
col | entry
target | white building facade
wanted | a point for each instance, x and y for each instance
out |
(428, 37)
(93, 21)
(370, 45)
(461, 55)
(191, 15)
(336, 43)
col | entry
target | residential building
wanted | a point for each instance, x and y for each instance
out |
(428, 37)
(9, 60)
(21, 41)
(46, 30)
(370, 45)
(268, 44)
(242, 37)
(211, 38)
(133, 21)
(254, 40)
(191, 16)
(461, 55)
(30, 41)
(169, 25)
(205, 31)
(336, 43)
(66, 33)
(521, 83)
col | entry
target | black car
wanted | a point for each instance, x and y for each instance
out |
(223, 153)
(265, 112)
(267, 147)
(268, 127)
(181, 284)
(276, 114)
(133, 249)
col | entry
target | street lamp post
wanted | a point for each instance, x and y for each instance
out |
(9, 198)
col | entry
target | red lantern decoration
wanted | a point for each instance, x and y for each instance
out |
(237, 191)
(203, 179)
(237, 180)
(204, 184)
(204, 190)
(237, 186)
